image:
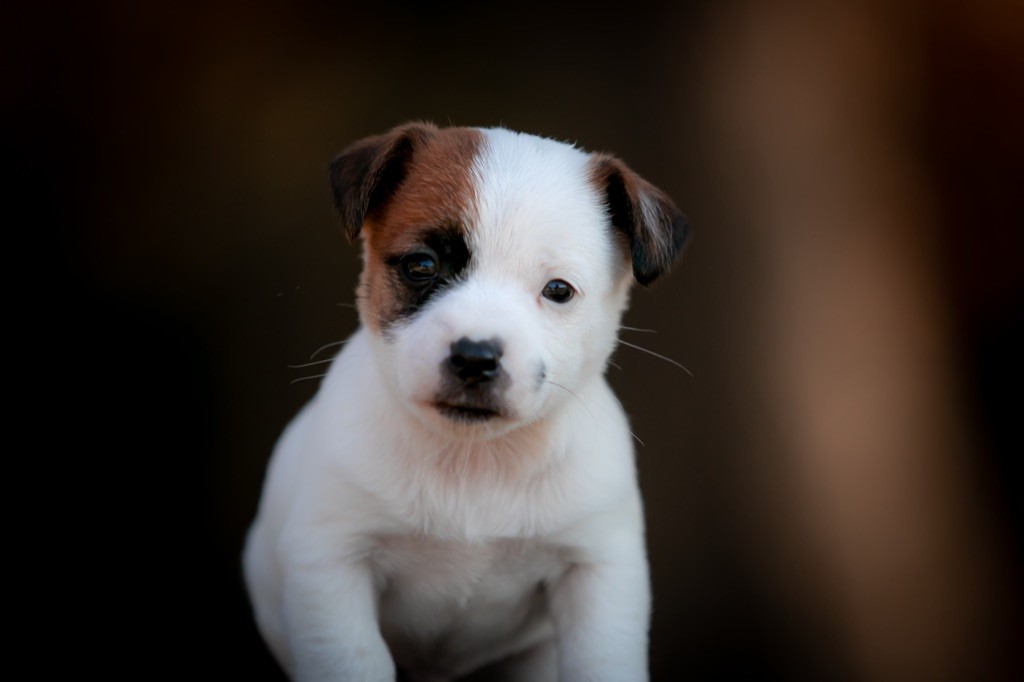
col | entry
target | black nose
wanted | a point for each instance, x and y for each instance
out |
(475, 361)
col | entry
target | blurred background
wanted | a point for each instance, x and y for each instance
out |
(835, 493)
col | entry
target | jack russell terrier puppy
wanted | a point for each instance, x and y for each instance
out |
(461, 494)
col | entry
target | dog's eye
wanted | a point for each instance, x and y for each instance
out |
(558, 290)
(419, 268)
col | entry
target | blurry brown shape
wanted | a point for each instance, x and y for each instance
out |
(815, 107)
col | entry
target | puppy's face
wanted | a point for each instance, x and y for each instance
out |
(496, 267)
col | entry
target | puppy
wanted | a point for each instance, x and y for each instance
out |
(461, 493)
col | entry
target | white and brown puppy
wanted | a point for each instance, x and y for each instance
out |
(462, 492)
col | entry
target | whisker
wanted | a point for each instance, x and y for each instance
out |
(612, 363)
(616, 399)
(318, 376)
(310, 364)
(324, 347)
(465, 464)
(573, 394)
(638, 329)
(587, 407)
(657, 355)
(353, 306)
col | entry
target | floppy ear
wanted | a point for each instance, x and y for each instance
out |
(652, 225)
(366, 174)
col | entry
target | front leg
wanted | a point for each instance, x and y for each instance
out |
(601, 611)
(331, 619)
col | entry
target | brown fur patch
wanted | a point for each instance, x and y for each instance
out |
(435, 192)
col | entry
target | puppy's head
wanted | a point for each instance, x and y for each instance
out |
(496, 267)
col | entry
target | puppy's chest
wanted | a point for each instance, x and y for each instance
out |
(423, 574)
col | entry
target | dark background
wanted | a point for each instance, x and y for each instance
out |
(848, 169)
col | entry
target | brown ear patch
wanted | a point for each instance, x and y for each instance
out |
(401, 190)
(652, 225)
(368, 172)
